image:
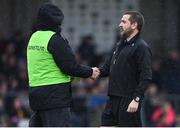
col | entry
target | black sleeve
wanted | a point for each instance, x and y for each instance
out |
(143, 58)
(104, 69)
(65, 58)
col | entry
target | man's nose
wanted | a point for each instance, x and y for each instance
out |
(120, 25)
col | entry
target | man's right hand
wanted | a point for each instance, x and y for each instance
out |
(95, 73)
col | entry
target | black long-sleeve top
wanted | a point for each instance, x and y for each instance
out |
(129, 68)
(50, 18)
(65, 58)
(58, 95)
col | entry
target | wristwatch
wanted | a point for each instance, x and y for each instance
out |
(137, 99)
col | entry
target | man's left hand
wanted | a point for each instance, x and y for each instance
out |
(133, 106)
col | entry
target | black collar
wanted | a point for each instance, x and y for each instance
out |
(132, 40)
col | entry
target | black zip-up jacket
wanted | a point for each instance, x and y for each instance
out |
(59, 95)
(129, 68)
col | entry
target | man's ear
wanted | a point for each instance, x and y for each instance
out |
(134, 25)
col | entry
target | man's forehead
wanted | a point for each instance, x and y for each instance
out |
(125, 17)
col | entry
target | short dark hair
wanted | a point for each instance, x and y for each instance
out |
(136, 16)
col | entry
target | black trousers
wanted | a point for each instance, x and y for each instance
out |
(115, 113)
(59, 117)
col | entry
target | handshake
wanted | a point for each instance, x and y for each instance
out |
(95, 74)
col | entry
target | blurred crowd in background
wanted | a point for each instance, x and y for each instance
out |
(161, 105)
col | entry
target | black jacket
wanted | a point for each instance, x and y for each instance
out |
(59, 95)
(128, 68)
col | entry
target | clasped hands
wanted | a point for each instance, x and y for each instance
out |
(95, 73)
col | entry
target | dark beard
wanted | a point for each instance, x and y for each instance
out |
(123, 36)
(126, 34)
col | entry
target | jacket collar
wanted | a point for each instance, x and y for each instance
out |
(132, 40)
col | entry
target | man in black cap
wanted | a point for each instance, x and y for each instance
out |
(51, 63)
(129, 71)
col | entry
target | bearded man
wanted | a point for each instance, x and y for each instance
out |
(129, 71)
